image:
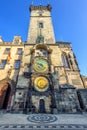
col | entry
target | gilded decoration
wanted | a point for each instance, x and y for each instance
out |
(41, 46)
(41, 84)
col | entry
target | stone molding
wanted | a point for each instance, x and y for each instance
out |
(48, 7)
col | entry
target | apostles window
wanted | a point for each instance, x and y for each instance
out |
(41, 52)
(7, 50)
(19, 51)
(3, 63)
(65, 60)
(44, 53)
(17, 64)
(40, 25)
(37, 54)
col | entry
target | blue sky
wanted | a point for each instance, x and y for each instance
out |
(69, 21)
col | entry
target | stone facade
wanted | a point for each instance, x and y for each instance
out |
(67, 100)
(82, 94)
(40, 75)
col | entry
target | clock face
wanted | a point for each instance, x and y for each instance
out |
(40, 12)
(41, 84)
(40, 65)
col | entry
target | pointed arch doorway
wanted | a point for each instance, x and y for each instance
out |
(41, 106)
(5, 92)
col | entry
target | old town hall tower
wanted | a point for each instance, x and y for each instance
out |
(41, 75)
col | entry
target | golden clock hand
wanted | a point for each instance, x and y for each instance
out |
(40, 64)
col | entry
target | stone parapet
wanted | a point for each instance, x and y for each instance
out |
(48, 7)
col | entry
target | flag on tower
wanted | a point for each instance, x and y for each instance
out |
(9, 57)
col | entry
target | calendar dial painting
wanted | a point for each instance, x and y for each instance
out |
(40, 65)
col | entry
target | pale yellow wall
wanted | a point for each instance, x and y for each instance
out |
(14, 56)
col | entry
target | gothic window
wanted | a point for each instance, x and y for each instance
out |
(7, 50)
(69, 55)
(19, 51)
(44, 53)
(17, 64)
(3, 63)
(70, 60)
(65, 60)
(40, 25)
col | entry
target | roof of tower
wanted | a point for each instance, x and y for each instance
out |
(48, 7)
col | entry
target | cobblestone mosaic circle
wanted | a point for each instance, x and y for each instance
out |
(42, 118)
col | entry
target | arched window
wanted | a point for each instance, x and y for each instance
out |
(40, 25)
(41, 52)
(69, 55)
(65, 60)
(5, 92)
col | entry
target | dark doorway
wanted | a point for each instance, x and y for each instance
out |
(5, 97)
(41, 106)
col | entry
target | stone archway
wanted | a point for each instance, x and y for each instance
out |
(41, 106)
(5, 92)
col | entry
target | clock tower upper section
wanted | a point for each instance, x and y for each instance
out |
(41, 25)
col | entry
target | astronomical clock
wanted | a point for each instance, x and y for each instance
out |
(41, 96)
(41, 84)
(40, 65)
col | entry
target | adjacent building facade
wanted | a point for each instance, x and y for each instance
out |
(40, 75)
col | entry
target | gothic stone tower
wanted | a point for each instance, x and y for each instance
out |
(41, 20)
(43, 76)
(51, 71)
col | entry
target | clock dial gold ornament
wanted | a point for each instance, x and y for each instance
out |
(41, 84)
(40, 65)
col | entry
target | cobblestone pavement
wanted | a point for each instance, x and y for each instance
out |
(44, 127)
(43, 122)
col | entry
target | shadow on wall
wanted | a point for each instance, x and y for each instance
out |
(8, 86)
(17, 103)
